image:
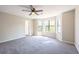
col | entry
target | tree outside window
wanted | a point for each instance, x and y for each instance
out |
(46, 26)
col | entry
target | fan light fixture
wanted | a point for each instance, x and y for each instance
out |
(33, 14)
(33, 11)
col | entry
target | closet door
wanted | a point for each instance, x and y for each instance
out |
(68, 26)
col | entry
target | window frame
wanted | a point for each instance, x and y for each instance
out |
(43, 27)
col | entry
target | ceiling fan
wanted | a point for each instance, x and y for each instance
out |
(32, 10)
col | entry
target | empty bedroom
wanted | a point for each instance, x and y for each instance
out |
(39, 29)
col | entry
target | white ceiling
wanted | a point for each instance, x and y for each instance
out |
(48, 10)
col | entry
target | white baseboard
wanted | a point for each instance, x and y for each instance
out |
(76, 45)
(68, 42)
(11, 39)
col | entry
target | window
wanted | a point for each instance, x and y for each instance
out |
(58, 24)
(46, 26)
(40, 26)
(52, 25)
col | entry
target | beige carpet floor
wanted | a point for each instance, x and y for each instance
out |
(36, 45)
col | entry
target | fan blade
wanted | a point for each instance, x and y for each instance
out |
(26, 10)
(31, 7)
(38, 10)
(30, 13)
(36, 13)
(25, 6)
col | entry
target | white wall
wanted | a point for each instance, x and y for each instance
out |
(77, 27)
(11, 27)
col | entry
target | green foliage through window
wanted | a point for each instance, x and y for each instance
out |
(46, 26)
